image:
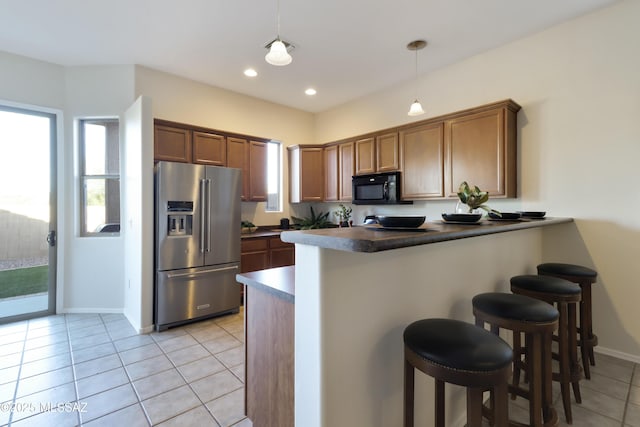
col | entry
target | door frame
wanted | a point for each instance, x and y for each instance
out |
(56, 135)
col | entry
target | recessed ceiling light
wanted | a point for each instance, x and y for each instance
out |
(311, 91)
(250, 72)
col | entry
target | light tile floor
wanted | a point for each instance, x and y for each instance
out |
(94, 370)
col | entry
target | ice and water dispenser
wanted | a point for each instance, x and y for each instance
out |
(179, 218)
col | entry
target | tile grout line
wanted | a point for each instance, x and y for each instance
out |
(626, 403)
(15, 389)
(126, 372)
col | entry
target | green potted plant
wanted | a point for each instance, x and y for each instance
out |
(472, 199)
(313, 221)
(344, 215)
(247, 227)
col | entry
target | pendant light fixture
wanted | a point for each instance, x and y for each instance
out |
(416, 107)
(278, 54)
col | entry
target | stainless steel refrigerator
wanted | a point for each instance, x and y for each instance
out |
(197, 242)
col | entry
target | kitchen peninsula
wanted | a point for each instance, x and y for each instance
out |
(358, 288)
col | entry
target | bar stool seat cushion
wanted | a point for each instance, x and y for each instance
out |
(546, 284)
(515, 307)
(567, 269)
(457, 345)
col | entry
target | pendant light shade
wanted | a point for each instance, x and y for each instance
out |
(278, 54)
(416, 107)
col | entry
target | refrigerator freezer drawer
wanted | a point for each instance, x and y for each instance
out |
(193, 293)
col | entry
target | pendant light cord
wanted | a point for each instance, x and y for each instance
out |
(278, 18)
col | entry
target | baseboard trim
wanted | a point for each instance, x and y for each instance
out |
(146, 330)
(91, 311)
(618, 354)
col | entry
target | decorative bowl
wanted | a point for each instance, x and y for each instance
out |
(532, 214)
(462, 217)
(505, 216)
(401, 221)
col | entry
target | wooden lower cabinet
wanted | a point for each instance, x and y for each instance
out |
(280, 253)
(259, 253)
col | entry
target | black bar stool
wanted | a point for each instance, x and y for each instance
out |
(566, 296)
(584, 277)
(537, 320)
(458, 353)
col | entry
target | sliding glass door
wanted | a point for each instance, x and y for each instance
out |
(27, 213)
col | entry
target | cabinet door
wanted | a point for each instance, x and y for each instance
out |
(254, 254)
(209, 149)
(422, 162)
(331, 183)
(238, 157)
(311, 174)
(281, 253)
(365, 156)
(387, 152)
(477, 153)
(171, 144)
(347, 169)
(258, 175)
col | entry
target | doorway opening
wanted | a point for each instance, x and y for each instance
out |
(27, 213)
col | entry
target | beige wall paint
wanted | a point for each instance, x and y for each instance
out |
(177, 99)
(579, 86)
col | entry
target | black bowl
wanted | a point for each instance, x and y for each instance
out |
(462, 217)
(401, 221)
(505, 215)
(533, 214)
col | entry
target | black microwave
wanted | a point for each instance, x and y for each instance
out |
(377, 189)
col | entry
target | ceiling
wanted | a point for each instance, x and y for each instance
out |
(345, 49)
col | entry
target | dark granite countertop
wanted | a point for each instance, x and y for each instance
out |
(263, 231)
(374, 239)
(279, 281)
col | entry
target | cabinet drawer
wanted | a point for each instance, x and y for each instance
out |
(252, 245)
(276, 242)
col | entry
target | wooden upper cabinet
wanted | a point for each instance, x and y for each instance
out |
(238, 157)
(377, 154)
(481, 149)
(422, 162)
(258, 171)
(387, 152)
(172, 144)
(331, 175)
(346, 164)
(365, 156)
(209, 149)
(306, 173)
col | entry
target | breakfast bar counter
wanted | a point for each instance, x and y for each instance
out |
(374, 238)
(358, 288)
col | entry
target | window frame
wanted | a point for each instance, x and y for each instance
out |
(84, 178)
(279, 205)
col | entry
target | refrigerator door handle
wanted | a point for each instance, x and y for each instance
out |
(202, 214)
(215, 270)
(209, 215)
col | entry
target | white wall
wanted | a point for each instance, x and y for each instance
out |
(182, 100)
(93, 266)
(579, 86)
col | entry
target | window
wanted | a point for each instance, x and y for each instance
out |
(274, 173)
(100, 177)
